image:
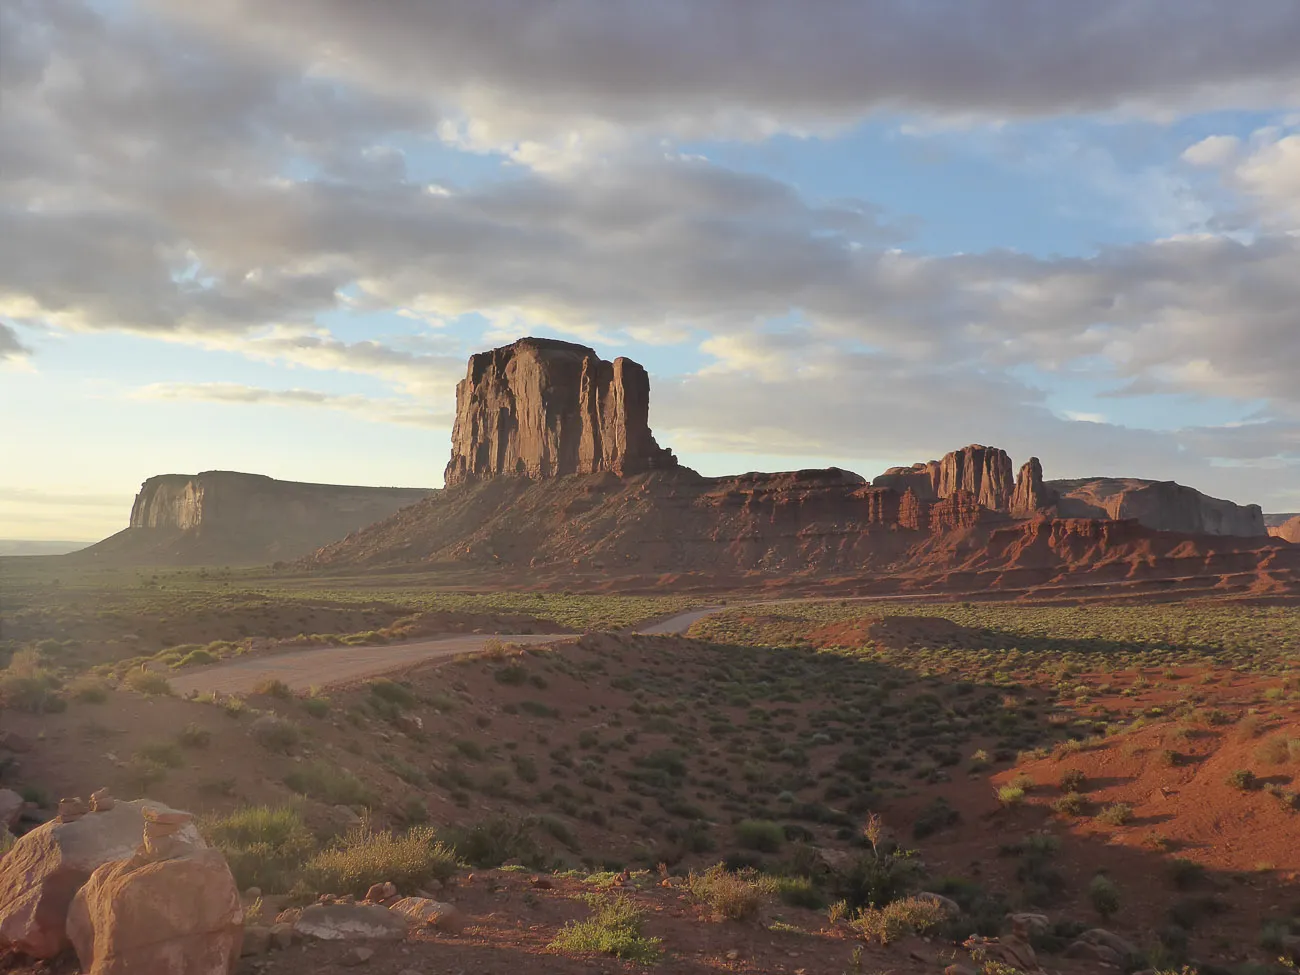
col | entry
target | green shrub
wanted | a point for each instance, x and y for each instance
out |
(88, 689)
(393, 692)
(614, 928)
(1073, 780)
(273, 687)
(195, 658)
(265, 847)
(328, 783)
(493, 841)
(898, 919)
(760, 834)
(1116, 814)
(1243, 779)
(164, 753)
(274, 733)
(934, 817)
(316, 706)
(1104, 896)
(147, 682)
(1011, 795)
(26, 685)
(365, 857)
(737, 895)
(1071, 804)
(799, 892)
(194, 736)
(1185, 874)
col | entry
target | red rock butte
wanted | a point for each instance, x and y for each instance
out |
(545, 408)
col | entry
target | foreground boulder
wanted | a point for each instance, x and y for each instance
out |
(43, 872)
(180, 915)
(350, 922)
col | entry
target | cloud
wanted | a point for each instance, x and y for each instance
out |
(1265, 170)
(845, 408)
(375, 410)
(10, 347)
(518, 72)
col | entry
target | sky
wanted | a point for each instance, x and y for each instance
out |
(265, 237)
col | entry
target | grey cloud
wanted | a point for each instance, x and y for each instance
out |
(10, 347)
(695, 67)
(377, 410)
(841, 408)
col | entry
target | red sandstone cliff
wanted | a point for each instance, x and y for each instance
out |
(1162, 505)
(983, 473)
(1288, 531)
(544, 408)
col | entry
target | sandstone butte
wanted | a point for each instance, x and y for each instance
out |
(1288, 531)
(545, 408)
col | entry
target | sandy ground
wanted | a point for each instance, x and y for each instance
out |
(331, 666)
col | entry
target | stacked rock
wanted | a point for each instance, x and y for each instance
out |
(161, 841)
(101, 800)
(70, 810)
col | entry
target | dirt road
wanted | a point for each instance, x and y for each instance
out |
(330, 666)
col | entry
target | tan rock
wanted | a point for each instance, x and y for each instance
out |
(381, 892)
(70, 810)
(431, 913)
(545, 408)
(257, 940)
(101, 800)
(350, 922)
(40, 875)
(281, 936)
(180, 916)
(11, 808)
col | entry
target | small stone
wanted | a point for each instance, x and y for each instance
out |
(358, 956)
(101, 800)
(381, 892)
(733, 954)
(70, 810)
(281, 936)
(257, 940)
(253, 893)
(166, 817)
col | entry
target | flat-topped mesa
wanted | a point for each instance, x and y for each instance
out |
(984, 473)
(543, 408)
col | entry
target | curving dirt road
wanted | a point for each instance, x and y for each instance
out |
(329, 666)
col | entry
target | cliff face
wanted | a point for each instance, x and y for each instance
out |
(1288, 531)
(1031, 496)
(1161, 505)
(542, 408)
(983, 473)
(228, 518)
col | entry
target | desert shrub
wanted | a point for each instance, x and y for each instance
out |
(1011, 795)
(194, 736)
(1275, 750)
(760, 834)
(512, 674)
(898, 919)
(1073, 780)
(525, 767)
(614, 928)
(1103, 895)
(934, 817)
(195, 658)
(328, 783)
(799, 892)
(537, 709)
(1185, 874)
(364, 857)
(274, 733)
(316, 706)
(393, 692)
(26, 685)
(264, 846)
(1116, 814)
(1243, 779)
(164, 753)
(88, 689)
(735, 894)
(1071, 804)
(493, 841)
(274, 687)
(147, 682)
